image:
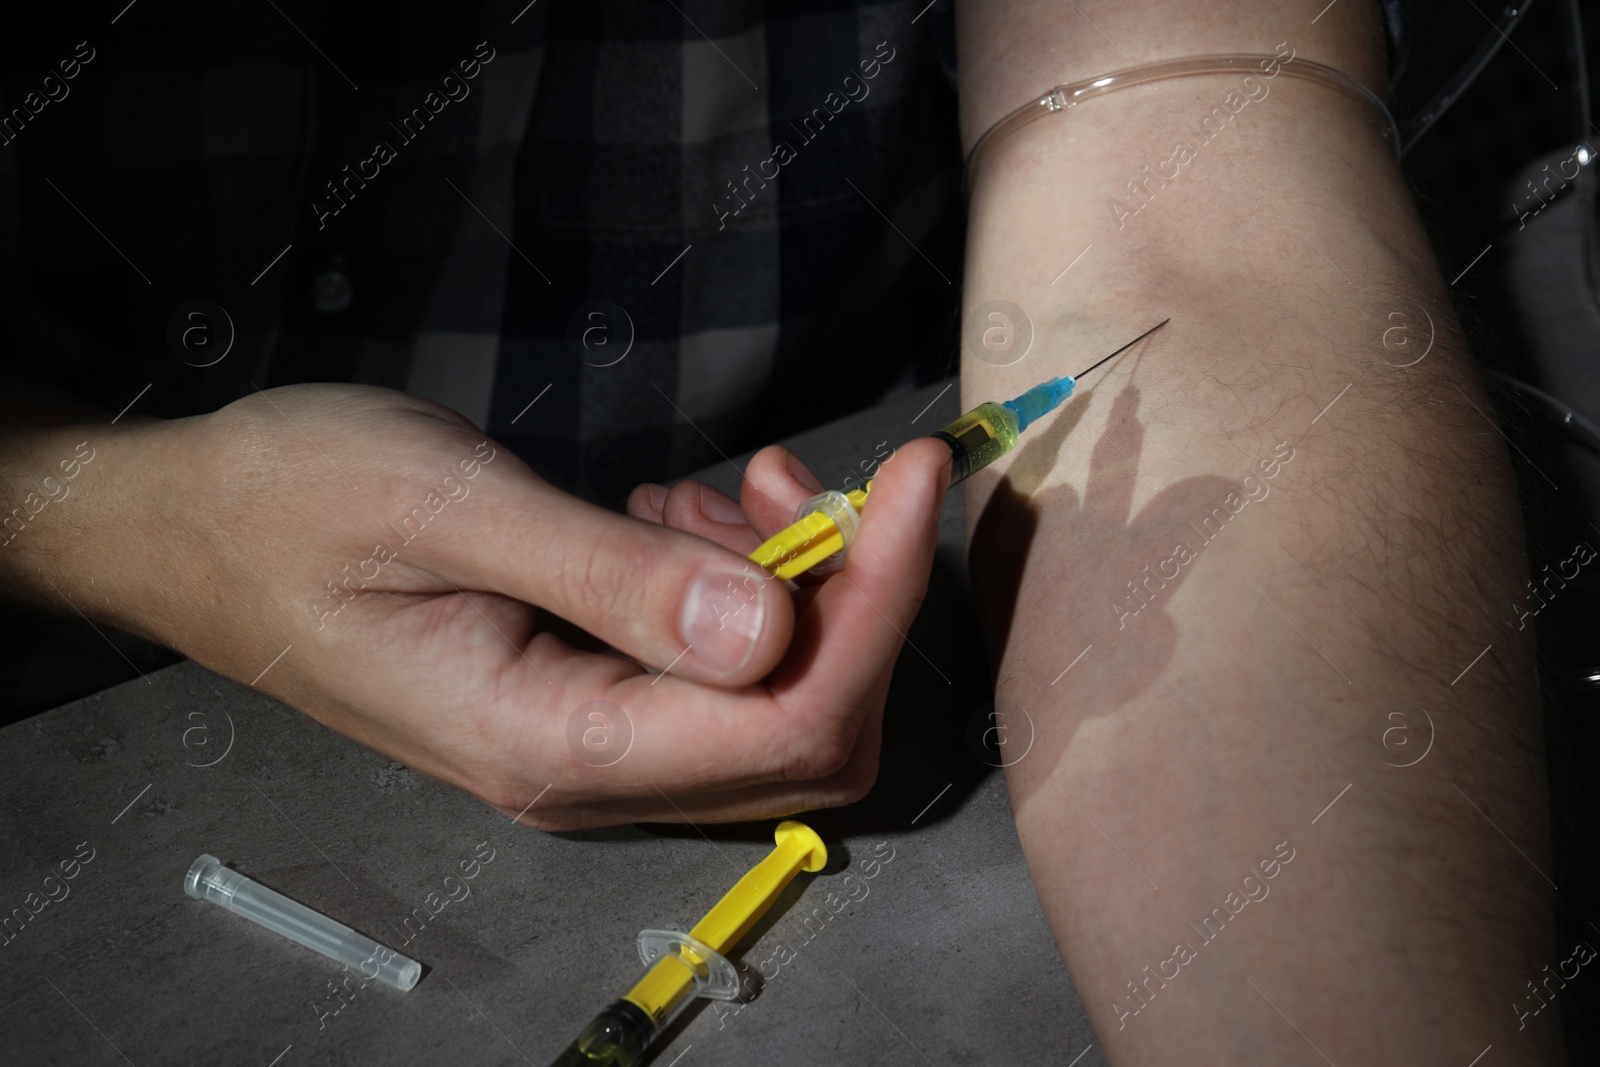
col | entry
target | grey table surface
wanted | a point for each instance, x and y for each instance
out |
(942, 955)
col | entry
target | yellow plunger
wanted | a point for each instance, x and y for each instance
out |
(680, 967)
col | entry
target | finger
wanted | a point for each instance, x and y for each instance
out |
(860, 616)
(806, 729)
(646, 501)
(636, 749)
(773, 800)
(659, 595)
(811, 720)
(706, 511)
(811, 732)
(518, 721)
(776, 483)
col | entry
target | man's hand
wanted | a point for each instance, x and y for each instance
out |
(372, 559)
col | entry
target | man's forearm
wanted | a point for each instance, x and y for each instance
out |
(1255, 557)
(75, 528)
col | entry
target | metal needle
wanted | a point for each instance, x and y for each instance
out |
(1125, 347)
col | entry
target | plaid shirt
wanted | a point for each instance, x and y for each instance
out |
(678, 231)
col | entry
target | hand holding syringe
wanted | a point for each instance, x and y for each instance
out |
(826, 523)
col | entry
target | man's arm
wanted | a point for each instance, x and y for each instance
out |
(374, 560)
(1229, 588)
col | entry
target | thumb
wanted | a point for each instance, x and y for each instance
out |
(662, 596)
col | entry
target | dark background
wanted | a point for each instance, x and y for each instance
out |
(1465, 172)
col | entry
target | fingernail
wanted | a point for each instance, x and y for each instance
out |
(803, 476)
(719, 508)
(722, 619)
(657, 495)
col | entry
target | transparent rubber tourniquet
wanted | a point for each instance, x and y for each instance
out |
(1063, 97)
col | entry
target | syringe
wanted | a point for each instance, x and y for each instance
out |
(826, 524)
(680, 967)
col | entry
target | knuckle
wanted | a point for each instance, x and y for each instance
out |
(548, 822)
(855, 783)
(497, 794)
(640, 506)
(821, 753)
(603, 576)
(914, 606)
(509, 798)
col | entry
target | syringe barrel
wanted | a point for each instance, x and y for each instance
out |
(209, 880)
(978, 438)
(617, 1037)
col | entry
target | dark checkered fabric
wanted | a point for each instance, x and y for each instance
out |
(677, 229)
